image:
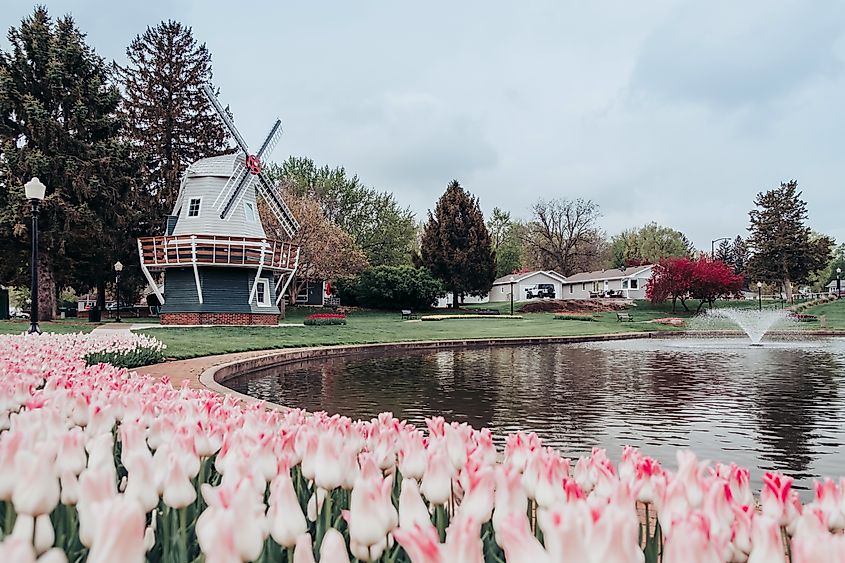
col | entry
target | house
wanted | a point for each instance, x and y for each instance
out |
(527, 285)
(630, 282)
(446, 300)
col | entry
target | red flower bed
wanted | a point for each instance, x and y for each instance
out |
(322, 319)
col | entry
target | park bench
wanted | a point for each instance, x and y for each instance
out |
(488, 311)
(624, 317)
(408, 315)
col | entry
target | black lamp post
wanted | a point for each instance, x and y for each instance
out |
(35, 191)
(118, 267)
(511, 280)
(713, 246)
(760, 295)
(838, 282)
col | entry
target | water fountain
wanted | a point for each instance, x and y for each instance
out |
(754, 323)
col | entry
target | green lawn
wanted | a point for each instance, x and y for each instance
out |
(61, 326)
(366, 327)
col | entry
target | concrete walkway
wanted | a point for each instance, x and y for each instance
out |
(191, 370)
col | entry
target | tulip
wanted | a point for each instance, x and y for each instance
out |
(412, 458)
(519, 544)
(412, 509)
(119, 535)
(287, 522)
(775, 498)
(95, 486)
(510, 498)
(303, 552)
(691, 542)
(17, 550)
(328, 472)
(567, 531)
(178, 491)
(767, 545)
(421, 543)
(333, 548)
(37, 489)
(437, 481)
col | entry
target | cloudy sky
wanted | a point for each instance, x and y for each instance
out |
(671, 111)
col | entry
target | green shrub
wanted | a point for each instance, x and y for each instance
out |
(323, 319)
(566, 317)
(397, 287)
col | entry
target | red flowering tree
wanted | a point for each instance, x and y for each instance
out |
(713, 279)
(671, 278)
(680, 279)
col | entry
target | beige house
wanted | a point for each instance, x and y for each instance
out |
(527, 285)
(628, 282)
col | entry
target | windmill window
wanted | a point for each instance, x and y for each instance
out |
(262, 293)
(194, 207)
(249, 211)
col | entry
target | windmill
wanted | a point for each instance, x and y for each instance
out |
(220, 266)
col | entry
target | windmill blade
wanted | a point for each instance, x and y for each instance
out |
(277, 205)
(243, 183)
(234, 181)
(271, 141)
(224, 117)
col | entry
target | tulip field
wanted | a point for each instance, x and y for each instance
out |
(100, 464)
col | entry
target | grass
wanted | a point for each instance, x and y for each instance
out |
(63, 326)
(367, 327)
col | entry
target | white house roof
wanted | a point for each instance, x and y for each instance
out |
(832, 284)
(516, 278)
(611, 274)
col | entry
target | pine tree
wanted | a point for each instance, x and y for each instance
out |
(59, 121)
(739, 255)
(456, 245)
(783, 248)
(170, 120)
(724, 252)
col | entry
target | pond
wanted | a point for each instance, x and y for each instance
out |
(780, 406)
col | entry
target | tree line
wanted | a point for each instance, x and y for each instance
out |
(112, 141)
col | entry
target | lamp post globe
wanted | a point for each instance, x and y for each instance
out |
(118, 267)
(35, 192)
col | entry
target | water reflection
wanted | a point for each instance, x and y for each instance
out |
(777, 407)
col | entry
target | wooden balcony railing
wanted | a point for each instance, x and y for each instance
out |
(162, 252)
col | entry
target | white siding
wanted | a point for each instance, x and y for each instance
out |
(501, 292)
(209, 221)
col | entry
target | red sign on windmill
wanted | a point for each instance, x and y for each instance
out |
(253, 164)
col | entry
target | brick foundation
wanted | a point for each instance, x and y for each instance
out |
(218, 319)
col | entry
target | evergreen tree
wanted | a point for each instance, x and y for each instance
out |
(783, 248)
(456, 245)
(59, 121)
(739, 256)
(723, 252)
(170, 119)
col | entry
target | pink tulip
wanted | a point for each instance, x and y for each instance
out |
(119, 535)
(412, 458)
(479, 493)
(766, 541)
(463, 540)
(567, 531)
(412, 509)
(178, 490)
(287, 522)
(520, 545)
(775, 498)
(692, 542)
(421, 543)
(831, 500)
(333, 548)
(215, 531)
(691, 476)
(141, 484)
(510, 497)
(437, 481)
(37, 489)
(303, 552)
(17, 550)
(95, 486)
(10, 443)
(328, 472)
(71, 455)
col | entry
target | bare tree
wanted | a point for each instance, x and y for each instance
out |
(563, 235)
